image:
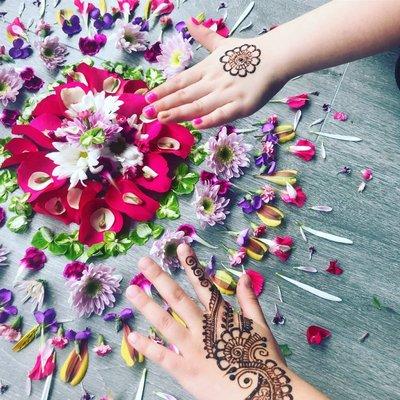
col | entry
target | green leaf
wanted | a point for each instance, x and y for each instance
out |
(63, 239)
(195, 132)
(42, 238)
(95, 250)
(198, 154)
(285, 350)
(109, 237)
(92, 137)
(19, 204)
(157, 230)
(376, 303)
(169, 207)
(143, 230)
(153, 77)
(18, 224)
(184, 181)
(74, 251)
(57, 249)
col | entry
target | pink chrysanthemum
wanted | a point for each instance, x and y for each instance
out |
(52, 52)
(210, 206)
(131, 38)
(10, 84)
(95, 290)
(228, 154)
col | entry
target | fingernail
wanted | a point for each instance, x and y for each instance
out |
(132, 337)
(197, 121)
(149, 111)
(194, 20)
(151, 97)
(132, 291)
(247, 281)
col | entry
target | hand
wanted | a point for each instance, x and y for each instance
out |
(223, 353)
(222, 87)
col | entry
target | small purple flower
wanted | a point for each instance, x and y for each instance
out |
(18, 51)
(72, 26)
(6, 307)
(271, 137)
(90, 46)
(279, 319)
(126, 314)
(243, 237)
(83, 335)
(143, 23)
(311, 251)
(344, 170)
(111, 316)
(249, 204)
(9, 118)
(32, 83)
(70, 335)
(151, 54)
(211, 267)
(183, 30)
(47, 318)
(268, 127)
(34, 259)
(95, 13)
(103, 23)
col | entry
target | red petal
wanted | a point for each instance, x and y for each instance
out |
(133, 104)
(257, 281)
(20, 150)
(134, 86)
(94, 76)
(118, 198)
(317, 334)
(284, 240)
(334, 268)
(161, 183)
(50, 105)
(97, 218)
(35, 135)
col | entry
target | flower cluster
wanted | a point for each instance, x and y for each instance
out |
(87, 157)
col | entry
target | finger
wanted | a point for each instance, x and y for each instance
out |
(248, 301)
(195, 273)
(179, 81)
(206, 37)
(171, 292)
(193, 111)
(221, 116)
(173, 331)
(183, 96)
(167, 359)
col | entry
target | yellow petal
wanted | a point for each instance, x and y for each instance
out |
(225, 282)
(285, 132)
(256, 249)
(270, 216)
(26, 339)
(127, 351)
(102, 6)
(281, 177)
(75, 366)
(83, 367)
(178, 318)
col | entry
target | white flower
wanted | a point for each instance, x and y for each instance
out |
(108, 106)
(73, 161)
(131, 38)
(176, 54)
(34, 292)
(130, 158)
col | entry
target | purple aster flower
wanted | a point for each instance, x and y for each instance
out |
(131, 38)
(151, 54)
(228, 154)
(164, 249)
(243, 237)
(19, 51)
(10, 84)
(52, 52)
(90, 46)
(210, 206)
(249, 204)
(34, 259)
(95, 290)
(72, 26)
(6, 307)
(103, 23)
(9, 118)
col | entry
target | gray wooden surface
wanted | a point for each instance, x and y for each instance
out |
(343, 368)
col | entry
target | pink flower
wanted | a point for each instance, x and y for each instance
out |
(45, 363)
(316, 334)
(160, 7)
(340, 116)
(260, 230)
(127, 5)
(16, 29)
(280, 247)
(298, 101)
(34, 259)
(90, 46)
(257, 281)
(217, 25)
(74, 270)
(141, 281)
(296, 196)
(10, 334)
(334, 268)
(367, 174)
(304, 149)
(102, 350)
(59, 342)
(237, 257)
(268, 194)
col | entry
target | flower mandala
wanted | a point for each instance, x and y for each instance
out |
(241, 60)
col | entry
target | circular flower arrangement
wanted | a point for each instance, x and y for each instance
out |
(89, 157)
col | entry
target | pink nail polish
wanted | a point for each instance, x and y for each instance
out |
(194, 20)
(150, 111)
(151, 97)
(197, 121)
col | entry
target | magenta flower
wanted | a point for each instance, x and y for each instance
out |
(74, 270)
(34, 259)
(367, 174)
(190, 231)
(90, 46)
(304, 149)
(237, 257)
(32, 83)
(151, 54)
(2, 216)
(340, 116)
(9, 117)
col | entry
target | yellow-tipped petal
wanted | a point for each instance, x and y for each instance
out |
(75, 366)
(82, 369)
(281, 177)
(285, 133)
(26, 339)
(256, 249)
(63, 14)
(270, 216)
(225, 282)
(178, 318)
(127, 351)
(102, 6)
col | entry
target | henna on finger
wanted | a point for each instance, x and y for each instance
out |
(229, 338)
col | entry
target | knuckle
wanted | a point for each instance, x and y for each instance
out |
(178, 295)
(165, 323)
(160, 355)
(198, 106)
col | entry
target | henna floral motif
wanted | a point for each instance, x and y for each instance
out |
(230, 340)
(241, 60)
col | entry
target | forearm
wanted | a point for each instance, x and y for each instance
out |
(338, 32)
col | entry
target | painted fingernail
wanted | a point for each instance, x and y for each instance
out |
(151, 97)
(132, 291)
(197, 121)
(150, 111)
(194, 20)
(133, 337)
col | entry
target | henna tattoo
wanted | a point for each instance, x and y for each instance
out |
(230, 340)
(241, 60)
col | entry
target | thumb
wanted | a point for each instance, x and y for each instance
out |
(206, 37)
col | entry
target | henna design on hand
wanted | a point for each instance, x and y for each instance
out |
(240, 352)
(241, 60)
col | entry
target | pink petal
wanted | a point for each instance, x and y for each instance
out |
(160, 183)
(20, 150)
(257, 281)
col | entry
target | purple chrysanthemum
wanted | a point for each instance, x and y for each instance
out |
(228, 154)
(10, 84)
(210, 207)
(95, 290)
(164, 249)
(131, 37)
(52, 52)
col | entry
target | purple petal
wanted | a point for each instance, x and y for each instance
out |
(39, 317)
(3, 316)
(83, 335)
(49, 316)
(11, 310)
(126, 314)
(5, 296)
(110, 316)
(70, 334)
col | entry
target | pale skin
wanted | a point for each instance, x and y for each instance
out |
(199, 375)
(338, 32)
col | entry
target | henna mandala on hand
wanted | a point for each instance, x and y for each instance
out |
(241, 60)
(240, 352)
